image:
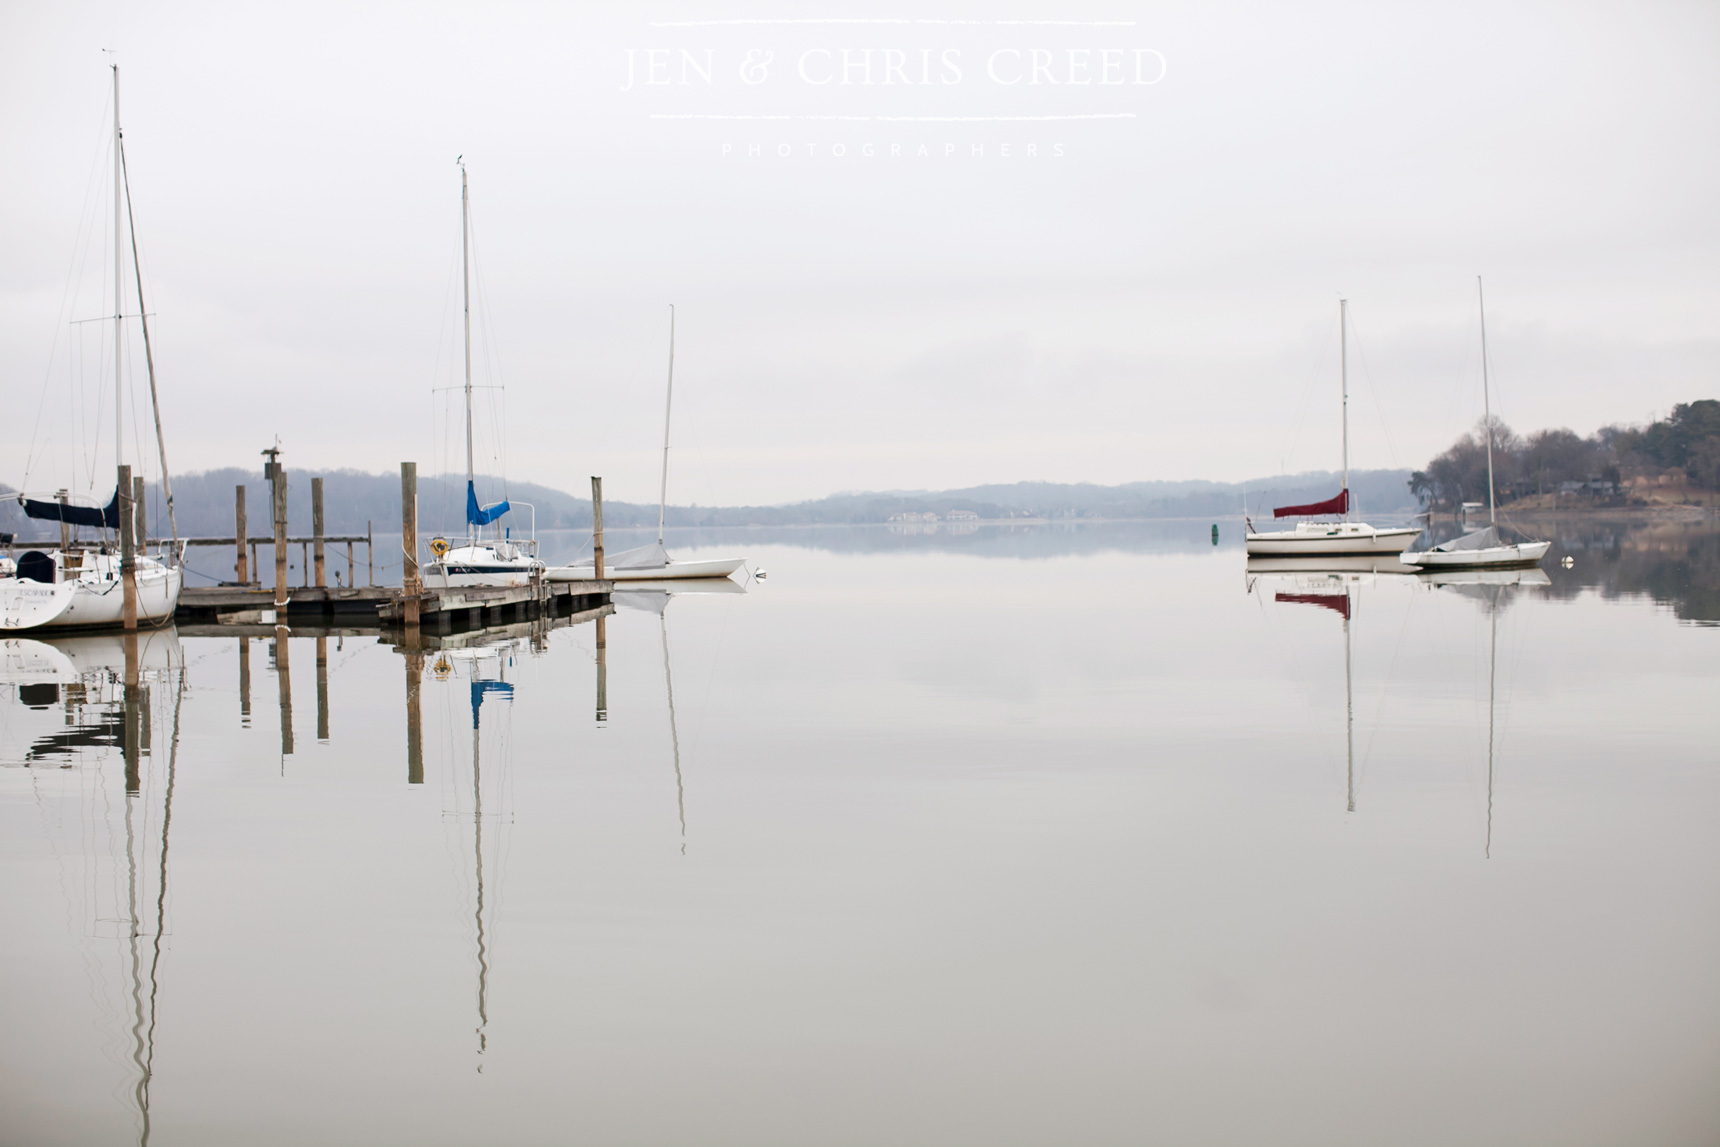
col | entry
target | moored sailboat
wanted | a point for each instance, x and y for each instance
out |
(1481, 549)
(110, 581)
(652, 562)
(498, 561)
(1343, 537)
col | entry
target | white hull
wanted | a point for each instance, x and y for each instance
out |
(95, 598)
(1346, 539)
(674, 571)
(481, 565)
(1494, 557)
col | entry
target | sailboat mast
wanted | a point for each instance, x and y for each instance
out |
(1486, 401)
(118, 296)
(668, 404)
(1344, 378)
(466, 310)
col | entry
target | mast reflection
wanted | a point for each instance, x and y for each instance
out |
(1333, 584)
(104, 687)
(1494, 591)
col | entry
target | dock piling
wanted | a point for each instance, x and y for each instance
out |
(597, 528)
(278, 488)
(411, 585)
(241, 568)
(317, 528)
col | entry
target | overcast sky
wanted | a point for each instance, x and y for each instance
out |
(1151, 292)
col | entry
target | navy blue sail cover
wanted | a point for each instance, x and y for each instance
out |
(107, 517)
(480, 689)
(485, 515)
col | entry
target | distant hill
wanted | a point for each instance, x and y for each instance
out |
(353, 500)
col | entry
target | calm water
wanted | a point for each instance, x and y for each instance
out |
(1044, 836)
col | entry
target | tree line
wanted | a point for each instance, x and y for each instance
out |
(1685, 444)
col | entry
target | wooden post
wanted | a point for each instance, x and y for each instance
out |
(244, 682)
(317, 528)
(285, 680)
(414, 718)
(241, 568)
(305, 563)
(411, 586)
(349, 566)
(322, 688)
(597, 530)
(278, 484)
(256, 566)
(65, 527)
(369, 556)
(127, 547)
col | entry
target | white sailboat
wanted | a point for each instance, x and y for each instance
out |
(1343, 537)
(652, 562)
(501, 560)
(84, 585)
(1481, 549)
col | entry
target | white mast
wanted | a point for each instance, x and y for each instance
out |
(668, 402)
(1486, 402)
(466, 307)
(118, 296)
(1344, 376)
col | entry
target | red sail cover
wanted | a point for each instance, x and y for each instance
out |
(1338, 505)
(1336, 602)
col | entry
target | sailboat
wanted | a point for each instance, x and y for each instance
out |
(652, 562)
(1481, 549)
(501, 560)
(84, 584)
(1342, 537)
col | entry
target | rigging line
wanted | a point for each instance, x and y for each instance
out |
(1379, 409)
(492, 353)
(80, 241)
(148, 353)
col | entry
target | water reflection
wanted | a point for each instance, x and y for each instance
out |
(483, 666)
(105, 690)
(1333, 584)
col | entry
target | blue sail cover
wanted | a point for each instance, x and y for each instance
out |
(480, 689)
(107, 517)
(486, 515)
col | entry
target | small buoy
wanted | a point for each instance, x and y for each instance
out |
(1215, 533)
(1569, 561)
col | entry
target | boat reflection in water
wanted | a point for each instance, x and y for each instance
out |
(653, 597)
(75, 703)
(1334, 584)
(482, 667)
(1493, 590)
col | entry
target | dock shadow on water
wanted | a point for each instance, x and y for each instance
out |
(1100, 835)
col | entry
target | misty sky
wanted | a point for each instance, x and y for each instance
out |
(1158, 300)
